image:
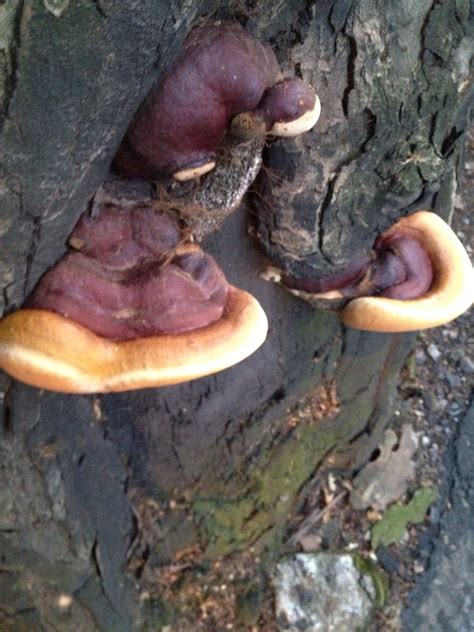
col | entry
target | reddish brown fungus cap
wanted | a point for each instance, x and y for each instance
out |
(221, 72)
(129, 274)
(291, 106)
(450, 294)
(46, 350)
(130, 306)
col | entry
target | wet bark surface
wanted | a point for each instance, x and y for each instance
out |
(100, 494)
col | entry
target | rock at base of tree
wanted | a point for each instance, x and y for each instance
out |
(321, 592)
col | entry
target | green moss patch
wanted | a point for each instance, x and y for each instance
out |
(395, 520)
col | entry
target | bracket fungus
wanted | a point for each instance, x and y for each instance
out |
(131, 305)
(418, 276)
(180, 125)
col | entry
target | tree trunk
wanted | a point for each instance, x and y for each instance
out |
(117, 511)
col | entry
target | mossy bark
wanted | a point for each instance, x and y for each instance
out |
(103, 497)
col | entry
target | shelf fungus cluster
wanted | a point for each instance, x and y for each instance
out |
(131, 305)
(135, 302)
(417, 276)
(222, 75)
(210, 115)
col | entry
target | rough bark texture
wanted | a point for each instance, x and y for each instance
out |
(100, 495)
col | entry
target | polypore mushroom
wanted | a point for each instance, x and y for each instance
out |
(411, 304)
(221, 72)
(131, 306)
(419, 276)
(290, 108)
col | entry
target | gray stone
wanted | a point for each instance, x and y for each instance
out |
(322, 592)
(434, 352)
(466, 365)
(385, 480)
(387, 560)
(420, 356)
(453, 379)
(455, 409)
(433, 402)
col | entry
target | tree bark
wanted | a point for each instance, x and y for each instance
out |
(114, 509)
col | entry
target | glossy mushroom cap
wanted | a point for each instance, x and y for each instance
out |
(290, 107)
(130, 306)
(450, 293)
(417, 276)
(221, 73)
(46, 350)
(130, 276)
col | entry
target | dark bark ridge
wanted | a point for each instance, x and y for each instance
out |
(382, 148)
